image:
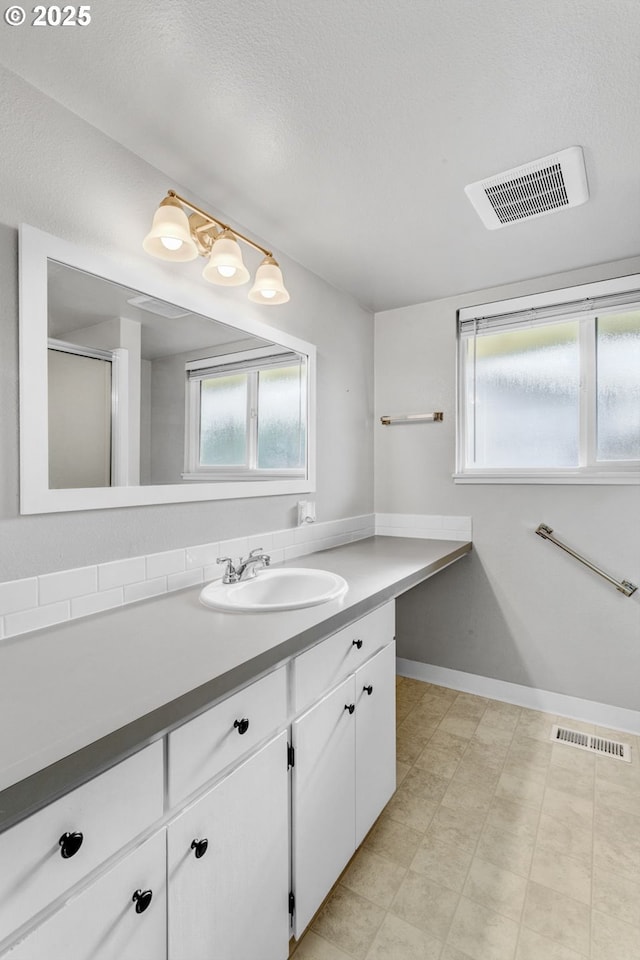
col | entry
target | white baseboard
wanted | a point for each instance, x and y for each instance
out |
(589, 711)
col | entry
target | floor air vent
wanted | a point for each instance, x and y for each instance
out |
(531, 190)
(587, 741)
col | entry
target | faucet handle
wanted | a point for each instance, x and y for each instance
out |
(229, 571)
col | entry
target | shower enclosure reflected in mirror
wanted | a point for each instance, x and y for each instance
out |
(128, 397)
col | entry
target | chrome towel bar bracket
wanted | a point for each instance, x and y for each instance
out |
(624, 586)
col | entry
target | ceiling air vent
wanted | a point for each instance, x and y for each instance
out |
(531, 190)
(587, 741)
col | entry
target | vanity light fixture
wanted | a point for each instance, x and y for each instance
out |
(176, 236)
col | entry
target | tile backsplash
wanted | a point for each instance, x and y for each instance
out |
(43, 601)
(424, 526)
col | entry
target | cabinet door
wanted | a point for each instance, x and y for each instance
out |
(323, 799)
(231, 903)
(375, 738)
(102, 922)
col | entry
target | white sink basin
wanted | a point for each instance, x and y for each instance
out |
(287, 589)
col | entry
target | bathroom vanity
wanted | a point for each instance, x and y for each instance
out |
(183, 783)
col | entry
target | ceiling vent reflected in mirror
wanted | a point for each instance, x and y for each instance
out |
(176, 236)
(160, 307)
(531, 190)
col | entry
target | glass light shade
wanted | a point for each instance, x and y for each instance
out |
(170, 237)
(268, 286)
(225, 265)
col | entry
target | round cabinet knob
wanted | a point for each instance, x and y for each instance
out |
(142, 899)
(350, 707)
(368, 689)
(357, 643)
(70, 843)
(241, 725)
(200, 847)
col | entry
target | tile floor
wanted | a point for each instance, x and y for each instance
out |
(497, 845)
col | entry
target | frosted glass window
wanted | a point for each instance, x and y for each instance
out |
(223, 421)
(618, 393)
(550, 391)
(247, 418)
(523, 397)
(281, 418)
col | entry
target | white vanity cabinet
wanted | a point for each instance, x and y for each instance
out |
(228, 865)
(105, 922)
(228, 851)
(344, 770)
(48, 853)
(206, 843)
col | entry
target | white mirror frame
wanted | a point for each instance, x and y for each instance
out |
(36, 249)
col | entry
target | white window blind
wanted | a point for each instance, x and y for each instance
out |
(213, 369)
(534, 316)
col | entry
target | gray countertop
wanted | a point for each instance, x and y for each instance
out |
(78, 697)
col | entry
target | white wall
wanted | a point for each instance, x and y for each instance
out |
(65, 177)
(518, 609)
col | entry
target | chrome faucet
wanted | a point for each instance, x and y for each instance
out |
(245, 569)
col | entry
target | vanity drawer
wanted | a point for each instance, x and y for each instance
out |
(321, 667)
(202, 747)
(108, 812)
(101, 922)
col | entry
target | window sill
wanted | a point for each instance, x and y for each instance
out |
(240, 476)
(614, 479)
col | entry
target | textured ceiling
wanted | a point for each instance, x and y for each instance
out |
(344, 132)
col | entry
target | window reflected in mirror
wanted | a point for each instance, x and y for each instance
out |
(143, 392)
(246, 417)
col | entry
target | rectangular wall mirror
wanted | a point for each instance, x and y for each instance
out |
(133, 394)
